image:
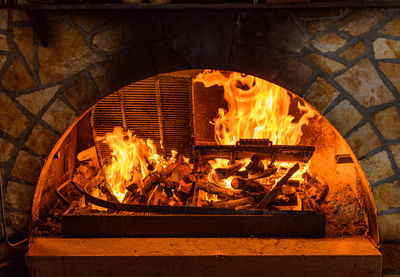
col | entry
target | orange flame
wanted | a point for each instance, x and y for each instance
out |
(257, 109)
(131, 157)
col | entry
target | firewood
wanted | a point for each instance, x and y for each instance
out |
(288, 190)
(207, 186)
(272, 194)
(100, 182)
(246, 185)
(234, 203)
(256, 165)
(266, 173)
(223, 173)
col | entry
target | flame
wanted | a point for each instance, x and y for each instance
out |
(131, 157)
(257, 109)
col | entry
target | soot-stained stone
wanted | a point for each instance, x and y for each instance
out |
(363, 140)
(386, 48)
(18, 223)
(344, 116)
(36, 100)
(325, 64)
(12, 120)
(19, 196)
(116, 38)
(295, 76)
(3, 19)
(6, 150)
(59, 116)
(202, 38)
(387, 196)
(27, 167)
(360, 21)
(354, 51)
(23, 36)
(41, 140)
(3, 43)
(262, 61)
(395, 148)
(329, 42)
(390, 257)
(392, 27)
(19, 15)
(66, 54)
(364, 84)
(377, 167)
(320, 94)
(2, 60)
(278, 29)
(136, 64)
(392, 71)
(16, 77)
(108, 77)
(388, 122)
(389, 226)
(89, 20)
(81, 95)
(317, 26)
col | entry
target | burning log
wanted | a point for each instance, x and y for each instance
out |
(288, 190)
(99, 182)
(266, 173)
(205, 185)
(246, 185)
(223, 173)
(234, 203)
(256, 165)
(272, 194)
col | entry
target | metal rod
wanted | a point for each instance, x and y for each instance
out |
(160, 116)
(3, 217)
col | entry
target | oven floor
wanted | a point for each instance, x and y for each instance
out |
(272, 257)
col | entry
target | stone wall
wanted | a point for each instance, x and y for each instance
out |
(344, 62)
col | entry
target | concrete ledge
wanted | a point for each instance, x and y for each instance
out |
(204, 257)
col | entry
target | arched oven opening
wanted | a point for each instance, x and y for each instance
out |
(202, 153)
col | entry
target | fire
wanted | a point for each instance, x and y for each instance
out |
(257, 109)
(132, 159)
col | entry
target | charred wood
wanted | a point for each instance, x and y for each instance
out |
(256, 165)
(205, 185)
(246, 185)
(234, 203)
(223, 173)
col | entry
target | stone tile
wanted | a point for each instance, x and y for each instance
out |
(295, 75)
(377, 167)
(325, 64)
(6, 150)
(81, 95)
(89, 21)
(389, 226)
(360, 21)
(66, 55)
(12, 120)
(387, 196)
(3, 43)
(354, 51)
(388, 122)
(114, 39)
(390, 257)
(363, 140)
(392, 27)
(386, 48)
(19, 196)
(19, 15)
(364, 84)
(2, 60)
(3, 19)
(59, 116)
(16, 78)
(320, 94)
(108, 77)
(317, 26)
(27, 167)
(41, 140)
(23, 37)
(395, 148)
(18, 224)
(344, 117)
(36, 100)
(329, 42)
(392, 71)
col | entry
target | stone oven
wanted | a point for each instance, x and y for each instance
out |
(57, 66)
